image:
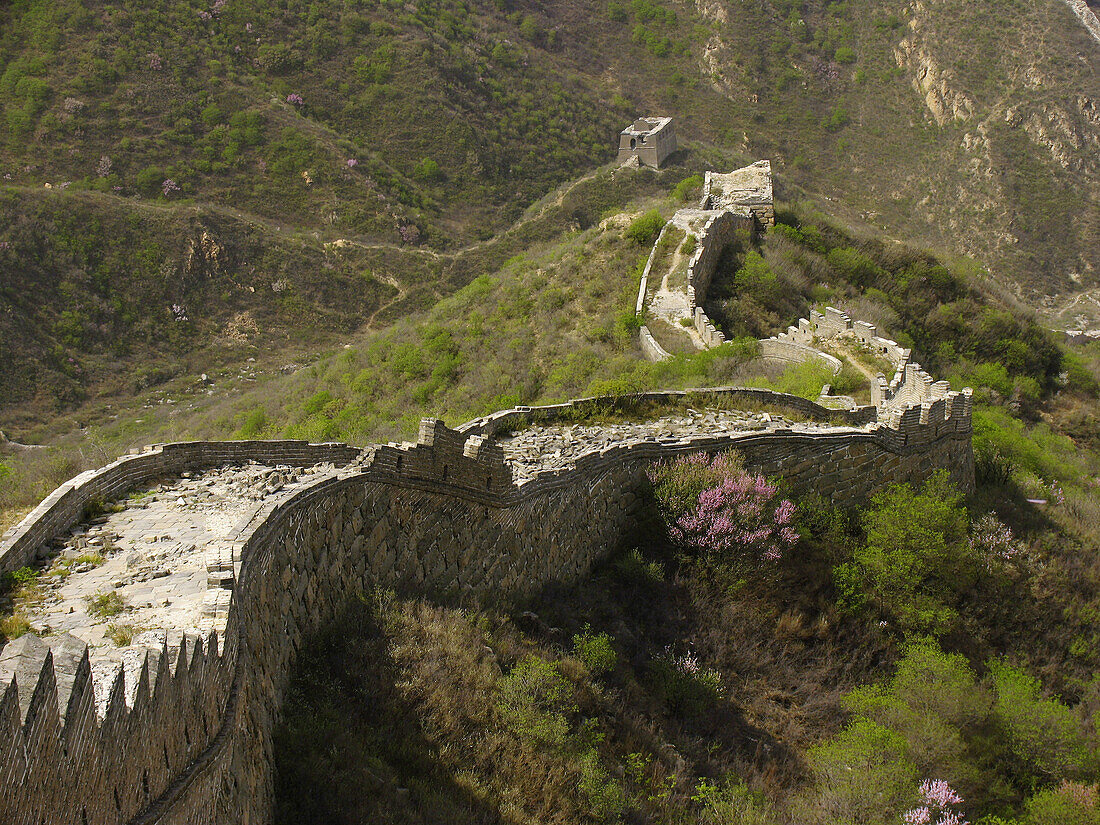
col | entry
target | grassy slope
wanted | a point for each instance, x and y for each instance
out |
(506, 101)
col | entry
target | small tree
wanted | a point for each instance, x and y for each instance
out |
(917, 557)
(644, 229)
(1045, 737)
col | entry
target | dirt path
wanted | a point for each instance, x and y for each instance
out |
(402, 291)
(671, 304)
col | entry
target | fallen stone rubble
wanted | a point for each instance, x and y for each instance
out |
(558, 446)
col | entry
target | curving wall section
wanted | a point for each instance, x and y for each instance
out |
(184, 735)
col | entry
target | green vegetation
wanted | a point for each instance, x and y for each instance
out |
(917, 561)
(644, 229)
(370, 199)
(121, 634)
(105, 605)
(465, 711)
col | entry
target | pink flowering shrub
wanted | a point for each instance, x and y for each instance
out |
(408, 232)
(714, 506)
(993, 542)
(939, 801)
(169, 186)
(295, 99)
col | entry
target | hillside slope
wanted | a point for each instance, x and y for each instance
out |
(970, 126)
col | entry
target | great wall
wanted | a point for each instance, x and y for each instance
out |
(229, 554)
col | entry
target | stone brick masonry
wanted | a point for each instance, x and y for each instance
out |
(183, 732)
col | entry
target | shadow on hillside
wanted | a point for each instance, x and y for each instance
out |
(351, 750)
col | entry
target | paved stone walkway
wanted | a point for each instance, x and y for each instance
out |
(151, 556)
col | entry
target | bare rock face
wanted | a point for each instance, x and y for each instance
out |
(206, 256)
(936, 85)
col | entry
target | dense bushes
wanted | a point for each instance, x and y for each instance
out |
(994, 739)
(916, 559)
(715, 508)
(951, 325)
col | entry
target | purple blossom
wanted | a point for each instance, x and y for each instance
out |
(939, 798)
(1057, 494)
(204, 15)
(993, 541)
(295, 98)
(408, 232)
(156, 62)
(4, 245)
(169, 186)
(248, 27)
(352, 163)
(741, 515)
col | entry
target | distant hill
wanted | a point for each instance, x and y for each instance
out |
(132, 131)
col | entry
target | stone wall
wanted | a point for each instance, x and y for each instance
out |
(185, 734)
(650, 348)
(776, 349)
(718, 232)
(63, 507)
(749, 187)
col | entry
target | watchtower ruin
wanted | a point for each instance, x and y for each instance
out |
(649, 139)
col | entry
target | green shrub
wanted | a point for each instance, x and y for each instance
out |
(756, 279)
(863, 774)
(916, 557)
(149, 180)
(787, 232)
(595, 651)
(605, 795)
(853, 265)
(254, 425)
(933, 702)
(644, 229)
(534, 700)
(686, 189)
(20, 575)
(427, 169)
(1045, 737)
(625, 331)
(105, 605)
(991, 466)
(730, 802)
(1071, 803)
